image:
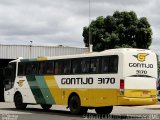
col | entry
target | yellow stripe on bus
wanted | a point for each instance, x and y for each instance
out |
(94, 97)
(54, 89)
(99, 97)
(41, 58)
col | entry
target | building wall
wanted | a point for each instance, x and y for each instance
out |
(10, 52)
(27, 51)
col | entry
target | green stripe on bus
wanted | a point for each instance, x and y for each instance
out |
(45, 90)
(35, 89)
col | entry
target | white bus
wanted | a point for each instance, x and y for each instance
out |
(98, 80)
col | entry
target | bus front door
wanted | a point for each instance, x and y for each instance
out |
(10, 73)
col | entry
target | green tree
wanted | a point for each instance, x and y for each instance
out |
(122, 29)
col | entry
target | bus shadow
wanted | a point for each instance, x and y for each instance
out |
(38, 111)
(63, 113)
(153, 108)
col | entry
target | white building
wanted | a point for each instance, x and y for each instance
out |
(10, 52)
(28, 51)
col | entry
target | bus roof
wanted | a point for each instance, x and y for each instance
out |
(105, 52)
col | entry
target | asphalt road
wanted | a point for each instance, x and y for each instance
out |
(35, 112)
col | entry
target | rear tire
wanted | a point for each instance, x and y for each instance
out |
(18, 101)
(75, 106)
(104, 110)
(46, 106)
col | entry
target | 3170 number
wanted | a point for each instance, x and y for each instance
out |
(106, 80)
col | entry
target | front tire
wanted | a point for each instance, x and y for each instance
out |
(104, 110)
(18, 101)
(75, 106)
(46, 106)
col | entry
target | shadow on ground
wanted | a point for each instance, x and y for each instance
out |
(41, 113)
(152, 108)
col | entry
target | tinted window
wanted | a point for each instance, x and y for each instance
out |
(76, 66)
(46, 67)
(31, 68)
(113, 64)
(85, 65)
(21, 69)
(58, 67)
(66, 67)
(94, 65)
(110, 64)
(105, 64)
(42, 68)
(62, 67)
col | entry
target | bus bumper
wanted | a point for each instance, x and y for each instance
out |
(136, 101)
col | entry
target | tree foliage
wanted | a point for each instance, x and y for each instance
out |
(122, 29)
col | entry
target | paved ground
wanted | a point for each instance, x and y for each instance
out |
(34, 112)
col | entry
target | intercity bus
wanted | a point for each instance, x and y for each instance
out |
(98, 80)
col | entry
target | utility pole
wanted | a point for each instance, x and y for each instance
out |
(30, 49)
(90, 35)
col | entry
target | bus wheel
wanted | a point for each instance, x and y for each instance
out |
(18, 101)
(104, 110)
(46, 106)
(75, 106)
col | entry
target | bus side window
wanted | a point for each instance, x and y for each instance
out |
(110, 64)
(94, 65)
(76, 66)
(49, 67)
(35, 66)
(105, 64)
(21, 69)
(58, 67)
(41, 68)
(33, 71)
(28, 68)
(113, 64)
(85, 65)
(32, 68)
(66, 66)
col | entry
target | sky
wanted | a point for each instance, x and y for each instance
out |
(61, 22)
